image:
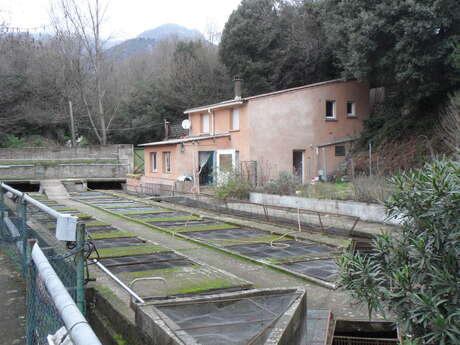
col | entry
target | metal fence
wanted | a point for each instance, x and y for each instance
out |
(304, 220)
(40, 255)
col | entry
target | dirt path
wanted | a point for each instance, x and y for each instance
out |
(12, 302)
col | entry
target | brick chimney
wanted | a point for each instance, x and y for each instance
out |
(237, 81)
(166, 123)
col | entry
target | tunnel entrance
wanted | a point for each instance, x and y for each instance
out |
(105, 185)
(26, 187)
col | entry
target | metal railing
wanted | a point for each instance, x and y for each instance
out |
(305, 220)
(77, 328)
(48, 271)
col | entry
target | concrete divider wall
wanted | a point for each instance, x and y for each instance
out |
(367, 212)
(112, 161)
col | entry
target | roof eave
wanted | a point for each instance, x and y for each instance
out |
(214, 106)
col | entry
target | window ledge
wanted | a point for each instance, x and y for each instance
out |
(352, 116)
(330, 119)
(234, 130)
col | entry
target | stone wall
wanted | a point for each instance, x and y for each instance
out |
(93, 162)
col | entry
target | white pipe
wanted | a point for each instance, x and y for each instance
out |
(114, 277)
(32, 201)
(79, 330)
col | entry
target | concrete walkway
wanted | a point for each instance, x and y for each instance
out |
(317, 297)
(54, 189)
(12, 303)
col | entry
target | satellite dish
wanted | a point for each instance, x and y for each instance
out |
(186, 124)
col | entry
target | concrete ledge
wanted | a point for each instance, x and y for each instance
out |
(366, 212)
(288, 328)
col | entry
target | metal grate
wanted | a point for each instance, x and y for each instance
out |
(343, 340)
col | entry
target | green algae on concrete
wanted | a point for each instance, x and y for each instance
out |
(172, 219)
(169, 219)
(97, 223)
(193, 228)
(115, 234)
(82, 216)
(199, 286)
(127, 251)
(59, 162)
(164, 273)
(132, 213)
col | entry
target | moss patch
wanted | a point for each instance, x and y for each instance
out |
(127, 251)
(82, 216)
(63, 161)
(192, 228)
(97, 223)
(160, 272)
(172, 219)
(202, 285)
(129, 213)
(63, 209)
(115, 234)
(105, 290)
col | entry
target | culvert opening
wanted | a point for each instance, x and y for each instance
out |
(105, 185)
(365, 333)
(25, 187)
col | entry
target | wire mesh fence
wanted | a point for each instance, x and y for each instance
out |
(66, 259)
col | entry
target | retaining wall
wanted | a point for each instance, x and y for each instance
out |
(367, 212)
(112, 161)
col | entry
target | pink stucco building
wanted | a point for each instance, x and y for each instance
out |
(306, 130)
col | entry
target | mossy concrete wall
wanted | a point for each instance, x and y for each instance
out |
(40, 163)
(365, 211)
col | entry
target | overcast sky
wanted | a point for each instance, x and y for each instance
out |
(128, 18)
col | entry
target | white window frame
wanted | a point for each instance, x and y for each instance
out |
(167, 162)
(235, 119)
(353, 109)
(223, 175)
(334, 110)
(205, 123)
(154, 161)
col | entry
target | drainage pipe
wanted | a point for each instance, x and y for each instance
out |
(118, 281)
(32, 201)
(78, 328)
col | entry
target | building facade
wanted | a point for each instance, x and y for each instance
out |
(306, 130)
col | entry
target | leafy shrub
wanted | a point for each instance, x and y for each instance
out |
(414, 273)
(12, 141)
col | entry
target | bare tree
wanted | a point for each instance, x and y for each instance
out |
(80, 23)
(450, 123)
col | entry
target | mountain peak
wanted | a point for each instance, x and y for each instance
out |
(170, 30)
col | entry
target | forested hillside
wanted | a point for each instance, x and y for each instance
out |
(410, 48)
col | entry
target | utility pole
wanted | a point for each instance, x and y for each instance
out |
(370, 158)
(72, 124)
